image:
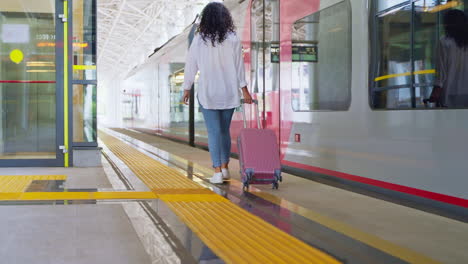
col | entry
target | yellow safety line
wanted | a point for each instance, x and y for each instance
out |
(384, 77)
(48, 196)
(65, 83)
(240, 237)
(84, 67)
(231, 232)
(378, 243)
(19, 183)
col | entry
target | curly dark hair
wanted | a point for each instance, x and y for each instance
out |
(456, 27)
(216, 22)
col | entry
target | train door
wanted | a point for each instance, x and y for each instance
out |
(291, 11)
(315, 57)
(31, 83)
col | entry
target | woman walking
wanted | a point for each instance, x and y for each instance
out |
(216, 52)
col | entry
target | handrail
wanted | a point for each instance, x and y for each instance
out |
(384, 77)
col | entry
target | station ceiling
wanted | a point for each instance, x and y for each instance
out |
(130, 30)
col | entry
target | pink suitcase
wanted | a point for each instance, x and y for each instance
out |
(258, 154)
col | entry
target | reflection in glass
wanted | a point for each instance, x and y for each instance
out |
(425, 41)
(84, 113)
(452, 61)
(179, 112)
(321, 60)
(385, 4)
(394, 51)
(27, 80)
(394, 47)
(405, 51)
(84, 39)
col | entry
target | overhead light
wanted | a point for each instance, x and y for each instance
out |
(40, 71)
(52, 44)
(45, 44)
(40, 64)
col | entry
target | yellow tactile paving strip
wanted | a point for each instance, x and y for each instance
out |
(51, 196)
(19, 183)
(240, 237)
(155, 175)
(231, 232)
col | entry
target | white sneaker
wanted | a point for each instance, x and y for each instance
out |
(226, 174)
(217, 178)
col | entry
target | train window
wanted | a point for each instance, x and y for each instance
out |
(177, 111)
(321, 60)
(406, 38)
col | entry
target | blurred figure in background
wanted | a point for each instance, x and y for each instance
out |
(451, 83)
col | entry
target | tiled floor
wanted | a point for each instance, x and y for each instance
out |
(68, 234)
(72, 234)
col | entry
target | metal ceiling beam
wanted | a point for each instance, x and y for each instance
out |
(129, 30)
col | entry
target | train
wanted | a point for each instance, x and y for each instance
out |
(341, 82)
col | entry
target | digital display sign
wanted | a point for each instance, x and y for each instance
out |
(300, 53)
(304, 53)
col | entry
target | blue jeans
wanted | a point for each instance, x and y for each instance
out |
(218, 123)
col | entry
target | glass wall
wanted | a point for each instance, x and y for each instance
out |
(321, 60)
(174, 117)
(179, 112)
(84, 40)
(84, 72)
(27, 80)
(407, 43)
(84, 113)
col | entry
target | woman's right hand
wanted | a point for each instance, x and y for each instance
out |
(186, 97)
(247, 96)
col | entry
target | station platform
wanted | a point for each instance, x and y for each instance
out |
(151, 202)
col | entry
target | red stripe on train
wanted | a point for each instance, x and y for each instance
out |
(386, 185)
(24, 81)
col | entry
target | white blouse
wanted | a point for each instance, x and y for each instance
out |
(222, 72)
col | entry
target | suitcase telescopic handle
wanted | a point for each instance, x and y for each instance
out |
(256, 113)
